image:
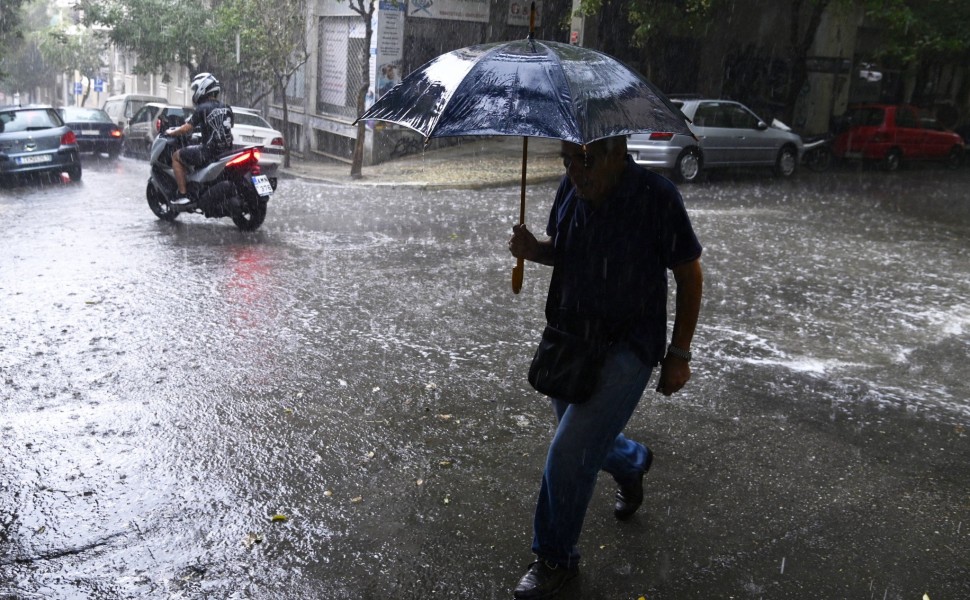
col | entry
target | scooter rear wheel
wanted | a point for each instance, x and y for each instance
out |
(249, 219)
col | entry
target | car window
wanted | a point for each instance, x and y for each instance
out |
(112, 107)
(85, 114)
(906, 118)
(739, 118)
(144, 115)
(867, 117)
(134, 106)
(250, 119)
(706, 115)
(29, 120)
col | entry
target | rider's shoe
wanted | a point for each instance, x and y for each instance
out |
(182, 200)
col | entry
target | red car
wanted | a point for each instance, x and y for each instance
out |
(892, 133)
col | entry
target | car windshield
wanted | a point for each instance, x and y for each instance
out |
(85, 114)
(28, 120)
(866, 117)
(244, 118)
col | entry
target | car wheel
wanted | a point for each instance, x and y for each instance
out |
(954, 159)
(74, 173)
(688, 167)
(786, 162)
(893, 160)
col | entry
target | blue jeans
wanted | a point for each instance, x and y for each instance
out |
(588, 438)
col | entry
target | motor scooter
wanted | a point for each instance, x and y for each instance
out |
(231, 186)
(816, 151)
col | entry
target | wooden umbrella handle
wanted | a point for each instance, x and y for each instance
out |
(518, 272)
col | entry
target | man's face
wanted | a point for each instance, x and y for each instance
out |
(594, 171)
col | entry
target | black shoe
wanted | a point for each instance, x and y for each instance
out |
(629, 497)
(543, 579)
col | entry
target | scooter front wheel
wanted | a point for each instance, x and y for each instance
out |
(158, 204)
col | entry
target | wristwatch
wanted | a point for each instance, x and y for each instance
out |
(678, 352)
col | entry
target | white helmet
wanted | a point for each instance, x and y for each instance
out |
(203, 85)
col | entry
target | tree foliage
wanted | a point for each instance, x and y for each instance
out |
(162, 32)
(66, 50)
(11, 34)
(22, 64)
(924, 30)
(272, 45)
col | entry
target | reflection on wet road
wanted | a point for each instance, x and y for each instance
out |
(335, 406)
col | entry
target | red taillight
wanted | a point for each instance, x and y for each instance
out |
(115, 133)
(68, 138)
(249, 155)
(277, 142)
(661, 136)
(158, 125)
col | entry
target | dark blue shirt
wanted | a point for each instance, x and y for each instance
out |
(610, 271)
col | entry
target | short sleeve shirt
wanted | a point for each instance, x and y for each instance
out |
(611, 263)
(214, 119)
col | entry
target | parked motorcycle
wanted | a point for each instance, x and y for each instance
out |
(817, 152)
(232, 186)
(816, 149)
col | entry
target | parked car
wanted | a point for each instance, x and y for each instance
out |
(892, 133)
(95, 130)
(250, 129)
(34, 139)
(123, 107)
(726, 134)
(147, 123)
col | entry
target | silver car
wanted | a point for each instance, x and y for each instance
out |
(34, 139)
(727, 134)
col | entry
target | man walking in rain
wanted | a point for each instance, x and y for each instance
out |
(614, 230)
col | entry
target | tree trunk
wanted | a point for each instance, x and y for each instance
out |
(357, 164)
(283, 83)
(367, 15)
(800, 45)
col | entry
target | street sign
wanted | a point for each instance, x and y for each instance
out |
(78, 88)
(99, 85)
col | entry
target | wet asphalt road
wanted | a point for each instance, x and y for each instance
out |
(335, 406)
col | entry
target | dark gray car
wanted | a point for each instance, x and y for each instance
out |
(34, 139)
(726, 134)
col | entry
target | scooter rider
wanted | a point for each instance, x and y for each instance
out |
(215, 120)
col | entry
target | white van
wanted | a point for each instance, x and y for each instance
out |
(123, 107)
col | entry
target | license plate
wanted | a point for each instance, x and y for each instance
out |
(252, 139)
(263, 188)
(33, 160)
(89, 132)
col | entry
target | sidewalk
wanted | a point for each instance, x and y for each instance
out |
(473, 163)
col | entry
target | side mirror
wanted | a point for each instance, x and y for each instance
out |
(761, 126)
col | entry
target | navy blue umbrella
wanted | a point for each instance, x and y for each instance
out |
(529, 88)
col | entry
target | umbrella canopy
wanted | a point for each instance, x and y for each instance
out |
(530, 88)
